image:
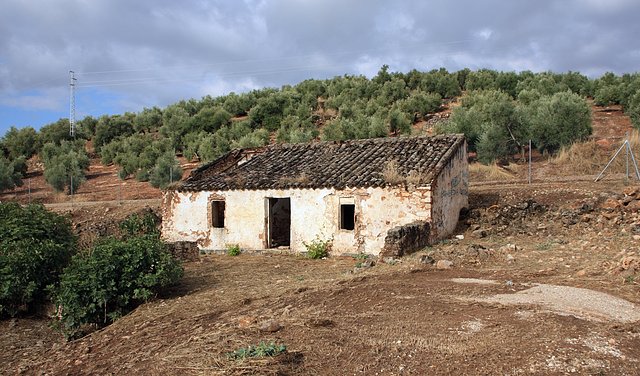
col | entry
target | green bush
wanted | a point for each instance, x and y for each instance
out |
(64, 164)
(166, 171)
(21, 142)
(138, 224)
(35, 245)
(233, 250)
(318, 248)
(559, 120)
(633, 110)
(115, 277)
(10, 174)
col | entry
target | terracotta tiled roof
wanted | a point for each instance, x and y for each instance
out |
(357, 163)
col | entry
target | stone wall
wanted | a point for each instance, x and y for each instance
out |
(185, 251)
(406, 239)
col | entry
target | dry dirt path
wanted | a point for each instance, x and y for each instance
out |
(407, 318)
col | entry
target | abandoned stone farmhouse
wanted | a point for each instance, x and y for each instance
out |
(366, 196)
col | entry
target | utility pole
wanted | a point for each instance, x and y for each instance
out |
(72, 104)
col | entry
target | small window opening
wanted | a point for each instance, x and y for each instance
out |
(347, 216)
(217, 214)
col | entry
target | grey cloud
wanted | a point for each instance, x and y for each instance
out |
(221, 46)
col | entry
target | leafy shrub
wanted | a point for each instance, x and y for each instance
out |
(10, 174)
(137, 224)
(491, 123)
(55, 132)
(167, 170)
(233, 250)
(318, 248)
(633, 110)
(65, 164)
(21, 142)
(262, 350)
(99, 287)
(421, 104)
(559, 120)
(35, 245)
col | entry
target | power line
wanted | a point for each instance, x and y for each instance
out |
(275, 59)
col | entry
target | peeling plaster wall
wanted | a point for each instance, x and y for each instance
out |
(314, 213)
(450, 194)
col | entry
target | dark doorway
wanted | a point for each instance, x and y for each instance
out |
(279, 222)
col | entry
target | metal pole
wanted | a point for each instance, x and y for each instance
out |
(627, 157)
(171, 175)
(633, 158)
(612, 159)
(529, 161)
(72, 104)
(29, 190)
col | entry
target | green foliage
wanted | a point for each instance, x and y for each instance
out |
(109, 128)
(358, 128)
(491, 123)
(262, 350)
(11, 173)
(483, 79)
(317, 248)
(35, 245)
(87, 127)
(421, 104)
(399, 121)
(138, 224)
(233, 250)
(295, 130)
(116, 276)
(55, 132)
(20, 142)
(633, 110)
(150, 119)
(65, 165)
(436, 82)
(255, 139)
(559, 120)
(608, 95)
(166, 171)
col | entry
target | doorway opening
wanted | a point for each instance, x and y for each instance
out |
(279, 222)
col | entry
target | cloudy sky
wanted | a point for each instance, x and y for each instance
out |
(128, 55)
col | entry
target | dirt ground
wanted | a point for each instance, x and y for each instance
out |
(486, 301)
(408, 317)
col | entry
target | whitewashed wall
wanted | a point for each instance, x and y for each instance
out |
(314, 213)
(450, 194)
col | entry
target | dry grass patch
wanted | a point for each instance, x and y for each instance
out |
(391, 173)
(588, 158)
(493, 172)
(300, 179)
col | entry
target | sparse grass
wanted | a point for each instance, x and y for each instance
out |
(493, 172)
(545, 246)
(415, 178)
(262, 350)
(302, 178)
(391, 173)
